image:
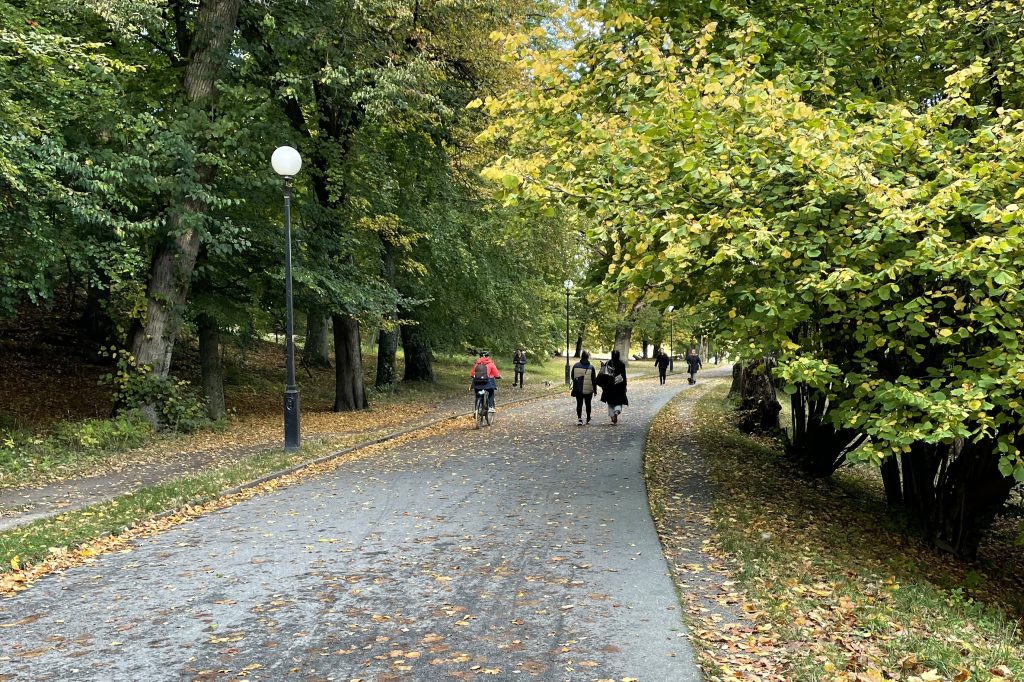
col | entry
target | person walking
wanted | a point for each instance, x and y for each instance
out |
(519, 367)
(584, 385)
(693, 364)
(661, 362)
(613, 386)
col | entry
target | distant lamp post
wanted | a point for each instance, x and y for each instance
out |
(568, 288)
(671, 349)
(287, 162)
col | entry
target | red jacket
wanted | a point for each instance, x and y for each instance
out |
(492, 369)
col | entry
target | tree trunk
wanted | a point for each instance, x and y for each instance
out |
(579, 346)
(210, 366)
(387, 338)
(891, 481)
(759, 405)
(152, 338)
(954, 492)
(418, 355)
(814, 444)
(644, 341)
(969, 494)
(316, 352)
(920, 466)
(349, 394)
(387, 365)
(623, 336)
(736, 389)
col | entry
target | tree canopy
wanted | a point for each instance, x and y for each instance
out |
(840, 188)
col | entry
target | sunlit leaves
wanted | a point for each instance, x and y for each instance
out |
(869, 240)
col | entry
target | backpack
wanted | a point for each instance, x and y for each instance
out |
(607, 369)
(480, 372)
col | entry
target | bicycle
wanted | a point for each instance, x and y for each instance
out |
(483, 415)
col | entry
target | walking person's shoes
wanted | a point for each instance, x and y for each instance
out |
(615, 419)
(490, 409)
(579, 422)
(588, 420)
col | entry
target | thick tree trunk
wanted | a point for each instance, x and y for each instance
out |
(387, 352)
(210, 367)
(349, 394)
(623, 336)
(317, 350)
(644, 341)
(418, 354)
(579, 346)
(152, 339)
(736, 389)
(759, 406)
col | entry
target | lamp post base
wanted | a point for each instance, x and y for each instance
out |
(292, 439)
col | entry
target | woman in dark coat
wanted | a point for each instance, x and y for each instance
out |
(614, 387)
(662, 363)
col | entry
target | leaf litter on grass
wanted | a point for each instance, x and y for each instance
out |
(789, 579)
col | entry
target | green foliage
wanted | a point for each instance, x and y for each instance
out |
(797, 220)
(178, 407)
(70, 447)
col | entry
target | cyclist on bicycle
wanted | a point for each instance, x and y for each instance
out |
(484, 373)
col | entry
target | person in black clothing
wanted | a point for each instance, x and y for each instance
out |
(614, 386)
(693, 364)
(661, 362)
(519, 365)
(584, 385)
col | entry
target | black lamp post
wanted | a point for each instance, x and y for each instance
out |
(671, 349)
(287, 163)
(568, 287)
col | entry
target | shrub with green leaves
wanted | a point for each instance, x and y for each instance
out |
(167, 402)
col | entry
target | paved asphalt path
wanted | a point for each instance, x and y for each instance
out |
(523, 551)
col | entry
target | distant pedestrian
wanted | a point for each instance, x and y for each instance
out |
(661, 361)
(693, 364)
(613, 386)
(584, 385)
(519, 366)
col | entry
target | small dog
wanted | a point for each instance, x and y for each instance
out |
(547, 384)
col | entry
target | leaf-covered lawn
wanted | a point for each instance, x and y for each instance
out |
(813, 580)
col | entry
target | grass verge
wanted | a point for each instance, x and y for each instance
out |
(809, 580)
(27, 545)
(60, 542)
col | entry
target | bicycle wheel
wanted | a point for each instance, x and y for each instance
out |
(489, 416)
(478, 413)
